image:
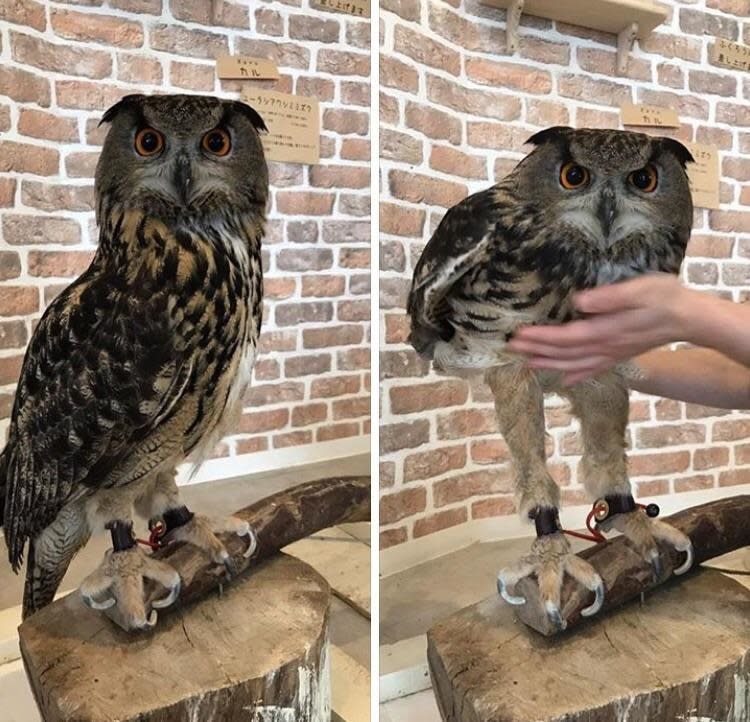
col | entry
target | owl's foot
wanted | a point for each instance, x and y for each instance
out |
(201, 531)
(119, 580)
(622, 514)
(550, 559)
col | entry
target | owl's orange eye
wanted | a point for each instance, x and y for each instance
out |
(148, 141)
(573, 176)
(217, 141)
(645, 179)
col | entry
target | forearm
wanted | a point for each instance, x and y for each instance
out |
(714, 323)
(696, 375)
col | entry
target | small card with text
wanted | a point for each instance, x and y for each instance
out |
(704, 175)
(649, 115)
(293, 125)
(359, 8)
(236, 67)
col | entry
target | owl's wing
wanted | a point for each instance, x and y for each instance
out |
(102, 371)
(460, 243)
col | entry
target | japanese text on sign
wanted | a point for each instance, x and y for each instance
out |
(360, 8)
(704, 175)
(293, 125)
(648, 115)
(730, 55)
(235, 67)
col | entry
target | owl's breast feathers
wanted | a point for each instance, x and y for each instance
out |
(131, 365)
(496, 261)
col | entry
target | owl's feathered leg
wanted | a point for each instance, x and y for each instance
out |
(183, 525)
(602, 406)
(519, 404)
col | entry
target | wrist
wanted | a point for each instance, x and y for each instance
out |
(692, 311)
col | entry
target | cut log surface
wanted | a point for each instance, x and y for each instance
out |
(258, 653)
(683, 656)
(714, 528)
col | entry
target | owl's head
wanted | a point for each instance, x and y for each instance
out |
(608, 183)
(182, 155)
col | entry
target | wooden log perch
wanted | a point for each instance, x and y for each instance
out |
(714, 528)
(278, 520)
(258, 652)
(682, 657)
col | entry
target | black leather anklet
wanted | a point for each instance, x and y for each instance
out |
(620, 504)
(546, 519)
(174, 518)
(122, 535)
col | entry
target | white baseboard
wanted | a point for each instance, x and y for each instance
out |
(403, 668)
(274, 460)
(404, 556)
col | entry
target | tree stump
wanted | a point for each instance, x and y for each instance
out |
(683, 656)
(257, 653)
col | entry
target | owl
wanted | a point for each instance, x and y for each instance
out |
(142, 362)
(585, 207)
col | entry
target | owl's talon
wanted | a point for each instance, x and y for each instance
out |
(149, 623)
(174, 592)
(92, 603)
(553, 612)
(656, 566)
(507, 596)
(596, 605)
(688, 563)
(252, 544)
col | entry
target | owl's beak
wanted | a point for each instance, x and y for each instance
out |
(607, 208)
(182, 178)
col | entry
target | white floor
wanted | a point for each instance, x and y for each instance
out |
(17, 700)
(420, 707)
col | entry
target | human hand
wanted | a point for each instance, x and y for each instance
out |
(623, 320)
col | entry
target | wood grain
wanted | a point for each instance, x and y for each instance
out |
(258, 652)
(683, 655)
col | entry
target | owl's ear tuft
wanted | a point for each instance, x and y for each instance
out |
(670, 145)
(124, 103)
(554, 133)
(251, 114)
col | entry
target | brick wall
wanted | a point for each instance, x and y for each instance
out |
(62, 63)
(455, 112)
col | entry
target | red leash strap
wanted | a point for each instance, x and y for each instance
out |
(594, 534)
(154, 540)
(599, 512)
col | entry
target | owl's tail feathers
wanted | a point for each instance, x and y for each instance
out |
(49, 557)
(3, 484)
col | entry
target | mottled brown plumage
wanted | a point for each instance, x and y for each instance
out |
(584, 208)
(141, 362)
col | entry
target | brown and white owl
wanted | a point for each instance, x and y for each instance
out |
(141, 362)
(584, 208)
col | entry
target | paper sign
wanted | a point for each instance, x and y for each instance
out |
(235, 67)
(704, 175)
(293, 125)
(360, 8)
(730, 55)
(649, 115)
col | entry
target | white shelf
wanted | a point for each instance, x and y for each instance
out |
(628, 19)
